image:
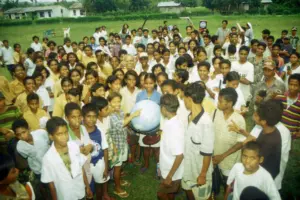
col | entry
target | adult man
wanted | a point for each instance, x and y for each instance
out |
(6, 55)
(294, 39)
(286, 49)
(222, 32)
(197, 176)
(145, 37)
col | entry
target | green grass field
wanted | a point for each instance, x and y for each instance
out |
(23, 34)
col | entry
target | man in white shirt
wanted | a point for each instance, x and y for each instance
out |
(6, 55)
(171, 148)
(67, 45)
(97, 35)
(246, 71)
(35, 44)
(154, 37)
(128, 46)
(223, 32)
(138, 38)
(209, 47)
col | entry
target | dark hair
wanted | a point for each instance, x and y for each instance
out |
(75, 92)
(67, 40)
(229, 94)
(35, 37)
(151, 76)
(16, 45)
(169, 102)
(66, 79)
(70, 107)
(6, 164)
(28, 78)
(74, 70)
(270, 111)
(262, 44)
(163, 69)
(276, 45)
(96, 86)
(90, 64)
(262, 93)
(253, 193)
(254, 146)
(30, 51)
(180, 61)
(72, 54)
(110, 80)
(225, 21)
(40, 69)
(216, 47)
(52, 55)
(270, 37)
(53, 124)
(266, 31)
(294, 77)
(225, 61)
(90, 107)
(19, 123)
(285, 31)
(51, 42)
(232, 49)
(214, 38)
(16, 66)
(232, 76)
(170, 82)
(295, 54)
(217, 57)
(141, 46)
(113, 95)
(100, 102)
(183, 74)
(37, 57)
(131, 73)
(204, 64)
(254, 41)
(196, 92)
(91, 72)
(32, 96)
(244, 48)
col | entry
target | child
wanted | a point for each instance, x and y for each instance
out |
(32, 145)
(11, 188)
(62, 167)
(113, 84)
(36, 45)
(99, 155)
(171, 148)
(160, 78)
(181, 76)
(54, 69)
(118, 133)
(35, 115)
(149, 93)
(250, 173)
(41, 90)
(97, 90)
(17, 86)
(28, 64)
(141, 80)
(67, 45)
(203, 72)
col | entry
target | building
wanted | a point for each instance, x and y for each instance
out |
(265, 3)
(42, 12)
(170, 7)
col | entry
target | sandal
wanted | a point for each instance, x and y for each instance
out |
(122, 195)
(125, 183)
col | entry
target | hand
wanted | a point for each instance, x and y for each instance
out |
(216, 89)
(217, 159)
(201, 180)
(89, 193)
(233, 127)
(168, 181)
(136, 113)
(105, 174)
(249, 139)
(88, 148)
(244, 109)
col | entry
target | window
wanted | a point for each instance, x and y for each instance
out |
(17, 16)
(74, 12)
(81, 12)
(42, 14)
(49, 13)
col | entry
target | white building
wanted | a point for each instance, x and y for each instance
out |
(45, 12)
(170, 7)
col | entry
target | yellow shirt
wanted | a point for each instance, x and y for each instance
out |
(18, 57)
(6, 90)
(59, 106)
(88, 59)
(21, 102)
(79, 55)
(208, 106)
(57, 88)
(33, 119)
(16, 87)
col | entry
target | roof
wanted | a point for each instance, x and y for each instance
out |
(168, 4)
(266, 1)
(30, 9)
(76, 5)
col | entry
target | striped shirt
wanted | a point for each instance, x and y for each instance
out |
(291, 114)
(8, 117)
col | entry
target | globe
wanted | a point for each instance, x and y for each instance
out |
(148, 121)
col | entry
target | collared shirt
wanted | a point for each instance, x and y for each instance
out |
(29, 66)
(117, 130)
(84, 136)
(33, 119)
(68, 184)
(21, 102)
(36, 46)
(6, 90)
(59, 105)
(68, 49)
(35, 152)
(155, 96)
(44, 96)
(222, 33)
(17, 87)
(277, 86)
(87, 59)
(130, 49)
(8, 117)
(294, 41)
(7, 55)
(128, 99)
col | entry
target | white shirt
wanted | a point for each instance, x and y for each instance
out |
(261, 179)
(139, 69)
(97, 35)
(35, 153)
(84, 139)
(68, 184)
(151, 40)
(104, 144)
(36, 46)
(130, 49)
(285, 148)
(103, 126)
(105, 49)
(44, 95)
(7, 55)
(171, 145)
(68, 49)
(193, 74)
(49, 83)
(245, 70)
(183, 113)
(29, 66)
(137, 39)
(294, 71)
(128, 99)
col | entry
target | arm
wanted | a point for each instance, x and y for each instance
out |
(89, 192)
(52, 190)
(201, 180)
(245, 81)
(219, 158)
(130, 117)
(227, 192)
(105, 173)
(174, 168)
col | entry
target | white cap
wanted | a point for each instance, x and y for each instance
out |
(143, 54)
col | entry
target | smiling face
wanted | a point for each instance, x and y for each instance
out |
(115, 104)
(149, 84)
(203, 72)
(19, 73)
(33, 105)
(30, 85)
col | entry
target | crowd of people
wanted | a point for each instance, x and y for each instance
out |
(229, 102)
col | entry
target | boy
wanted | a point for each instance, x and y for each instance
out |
(35, 115)
(98, 90)
(128, 46)
(28, 64)
(246, 71)
(41, 90)
(250, 173)
(6, 55)
(36, 45)
(171, 148)
(67, 45)
(199, 145)
(99, 156)
(62, 167)
(32, 145)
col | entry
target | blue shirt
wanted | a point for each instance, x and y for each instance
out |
(97, 153)
(144, 96)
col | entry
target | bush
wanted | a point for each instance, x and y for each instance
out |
(15, 22)
(48, 21)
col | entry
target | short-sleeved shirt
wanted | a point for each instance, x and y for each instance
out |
(36, 46)
(21, 102)
(6, 90)
(16, 87)
(117, 131)
(128, 99)
(7, 55)
(99, 145)
(30, 66)
(144, 96)
(271, 151)
(33, 119)
(222, 33)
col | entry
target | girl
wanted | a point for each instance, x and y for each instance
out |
(181, 76)
(120, 74)
(181, 63)
(161, 77)
(115, 62)
(85, 40)
(149, 93)
(88, 56)
(17, 86)
(79, 66)
(215, 70)
(118, 133)
(192, 44)
(156, 69)
(63, 72)
(191, 68)
(41, 90)
(113, 84)
(104, 47)
(156, 45)
(201, 54)
(53, 69)
(74, 95)
(72, 60)
(92, 66)
(181, 51)
(91, 77)
(173, 51)
(168, 62)
(141, 80)
(203, 72)
(51, 48)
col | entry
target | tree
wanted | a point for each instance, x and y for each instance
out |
(104, 5)
(8, 4)
(138, 5)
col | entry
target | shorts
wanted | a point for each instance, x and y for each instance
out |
(98, 170)
(200, 192)
(175, 186)
(141, 143)
(122, 157)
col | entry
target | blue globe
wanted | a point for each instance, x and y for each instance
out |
(149, 119)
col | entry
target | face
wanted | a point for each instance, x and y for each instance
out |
(201, 57)
(11, 177)
(224, 24)
(130, 62)
(92, 41)
(167, 89)
(53, 66)
(232, 84)
(293, 59)
(72, 59)
(114, 62)
(23, 134)
(115, 104)
(157, 70)
(30, 85)
(18, 48)
(68, 43)
(74, 47)
(294, 86)
(254, 47)
(160, 80)
(260, 50)
(20, 73)
(222, 103)
(33, 105)
(60, 136)
(115, 86)
(75, 76)
(139, 50)
(81, 46)
(120, 75)
(275, 51)
(251, 160)
(181, 52)
(88, 51)
(144, 61)
(38, 81)
(39, 62)
(149, 84)
(140, 32)
(270, 42)
(203, 72)
(85, 40)
(172, 48)
(74, 119)
(206, 40)
(218, 52)
(90, 79)
(142, 81)
(183, 66)
(130, 81)
(225, 69)
(154, 34)
(100, 92)
(192, 45)
(157, 56)
(166, 56)
(90, 119)
(268, 72)
(66, 86)
(145, 33)
(234, 39)
(128, 40)
(150, 49)
(243, 55)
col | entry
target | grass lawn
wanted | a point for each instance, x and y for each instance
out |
(23, 34)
